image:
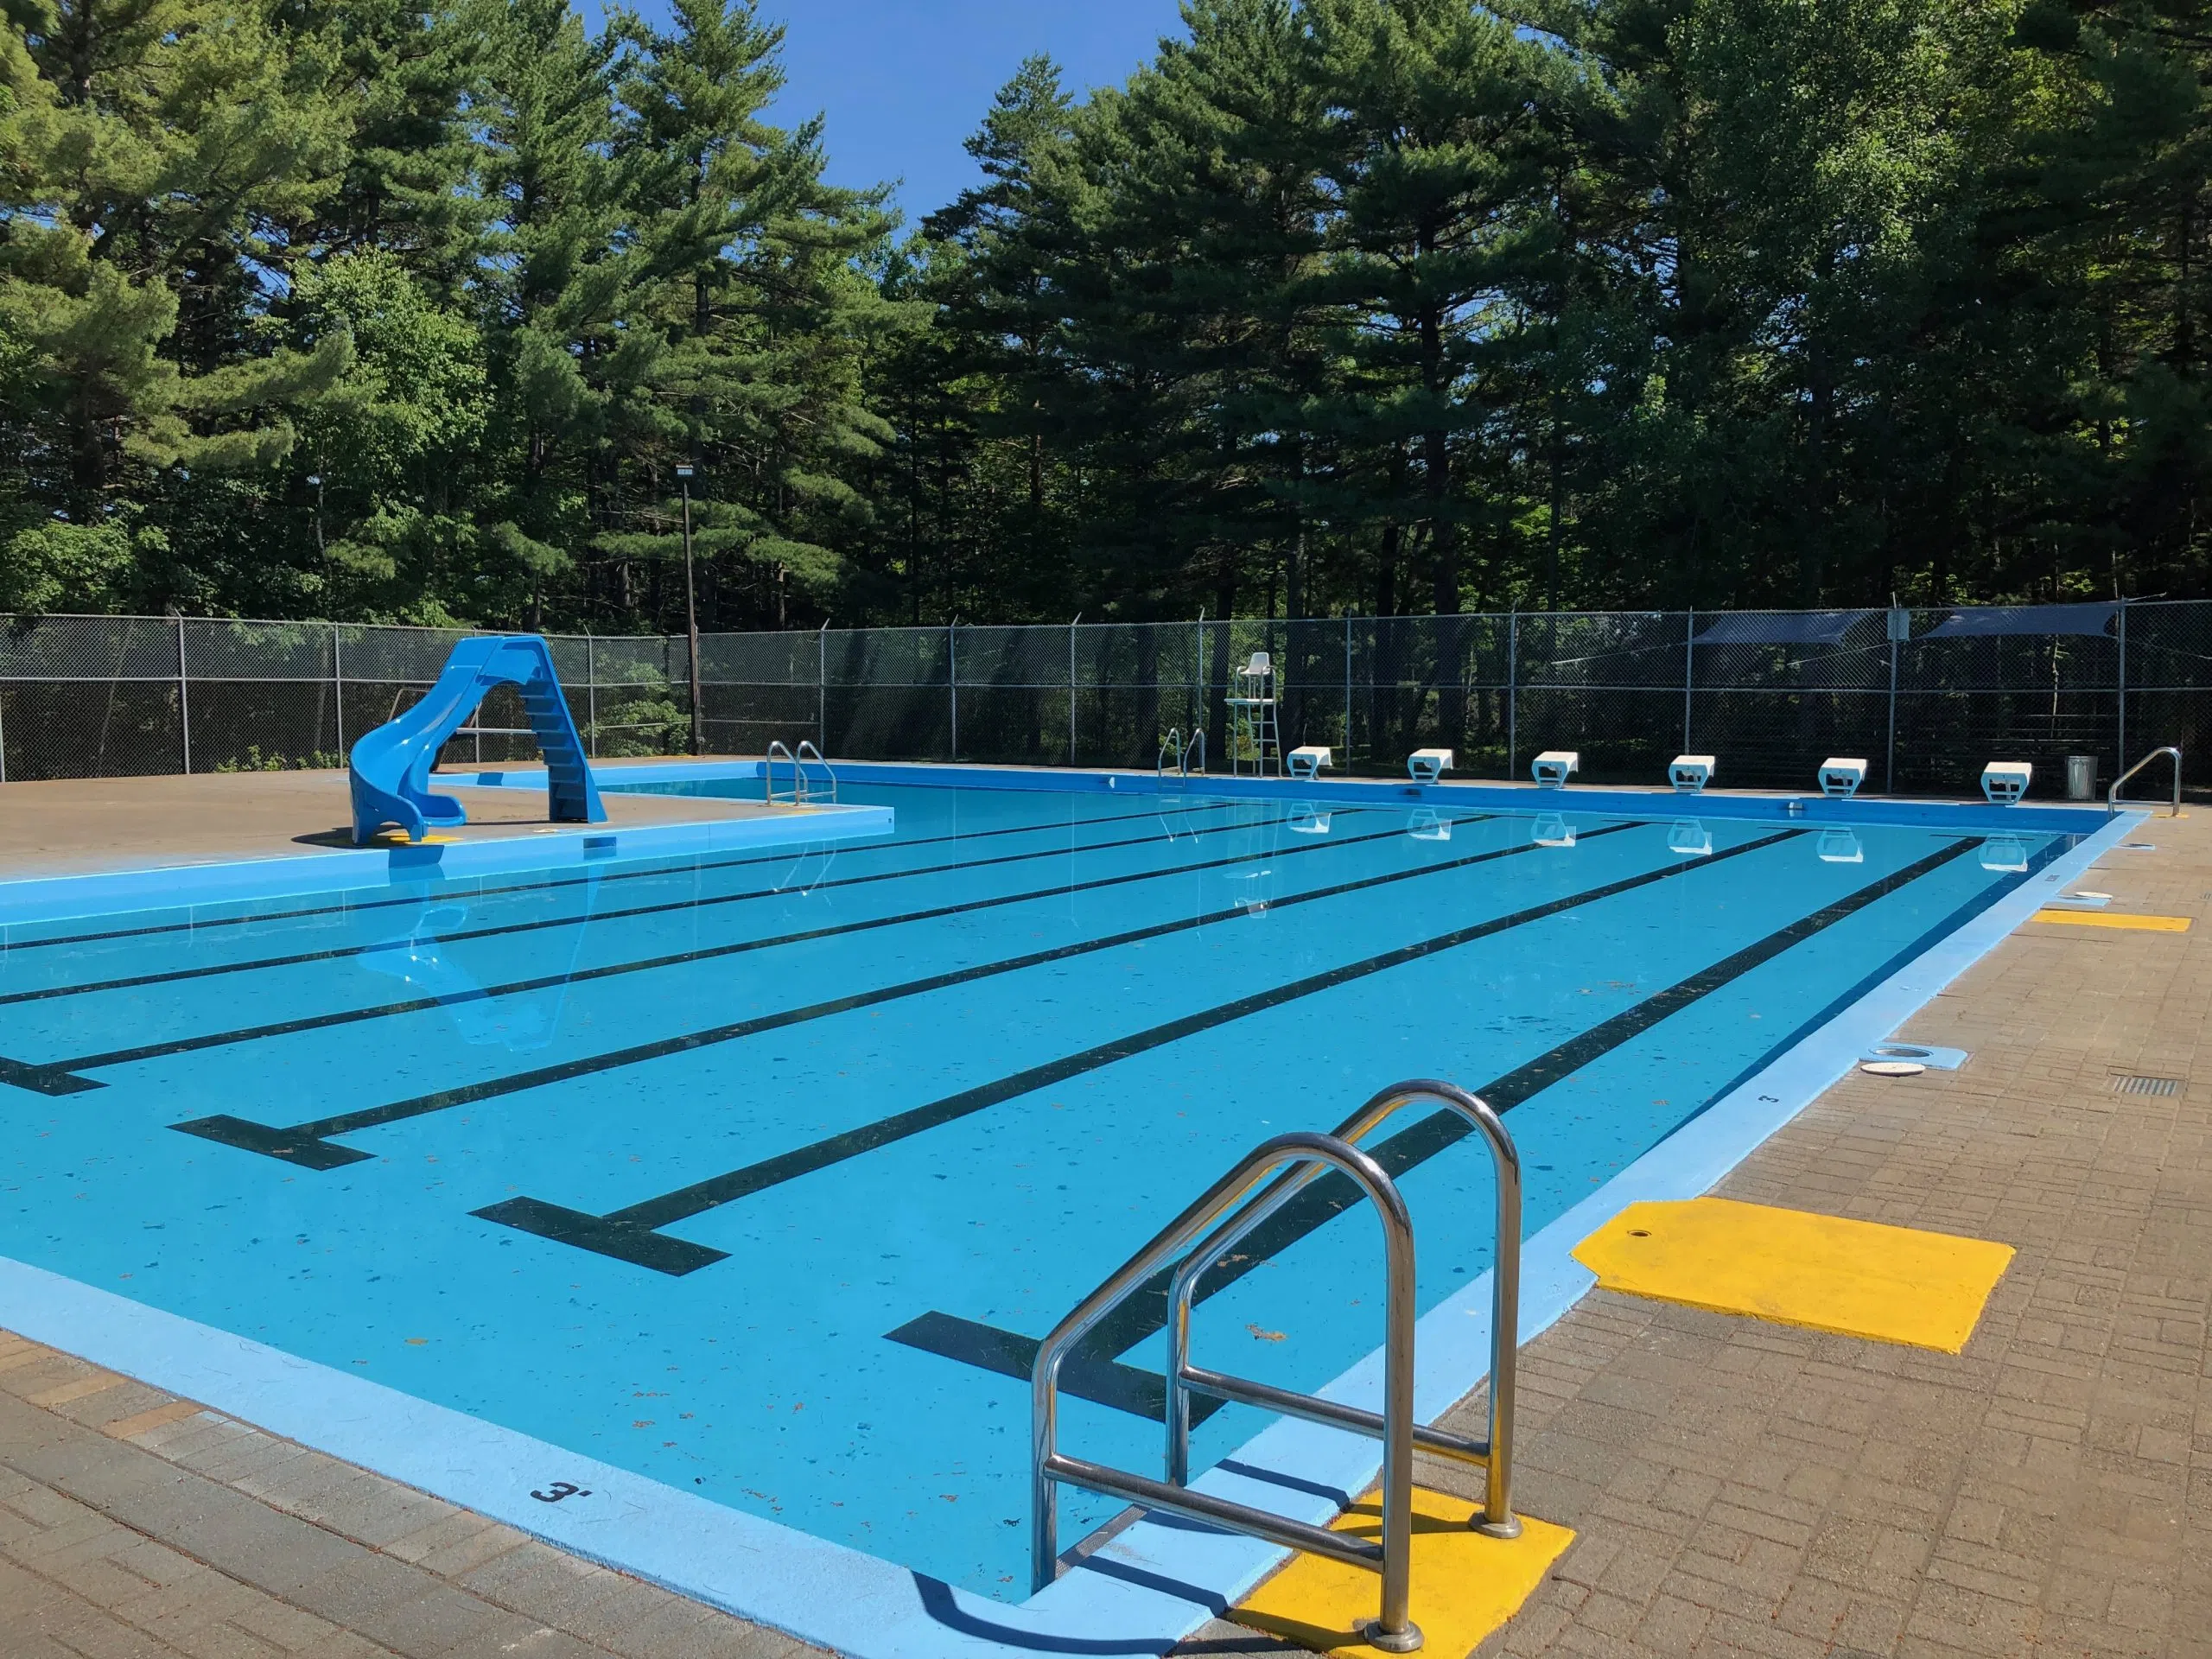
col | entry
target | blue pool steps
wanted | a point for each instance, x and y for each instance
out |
(389, 768)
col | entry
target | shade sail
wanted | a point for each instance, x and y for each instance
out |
(1990, 621)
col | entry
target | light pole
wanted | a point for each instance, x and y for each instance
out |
(692, 612)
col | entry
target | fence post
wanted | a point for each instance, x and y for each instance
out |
(338, 683)
(1078, 617)
(1204, 689)
(591, 694)
(1899, 625)
(1513, 691)
(1690, 670)
(1347, 690)
(952, 678)
(2121, 765)
(183, 699)
(822, 687)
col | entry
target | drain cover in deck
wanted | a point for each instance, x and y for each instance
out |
(1858, 1278)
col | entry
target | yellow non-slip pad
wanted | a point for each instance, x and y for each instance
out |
(2105, 918)
(1859, 1278)
(1465, 1585)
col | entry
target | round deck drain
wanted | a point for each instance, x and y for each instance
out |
(1892, 1068)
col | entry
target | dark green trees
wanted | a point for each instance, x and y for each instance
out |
(384, 310)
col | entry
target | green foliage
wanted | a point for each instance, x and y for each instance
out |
(386, 311)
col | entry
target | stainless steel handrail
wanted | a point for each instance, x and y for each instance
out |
(1494, 1455)
(768, 772)
(2112, 796)
(1172, 745)
(808, 752)
(1393, 1630)
(1196, 746)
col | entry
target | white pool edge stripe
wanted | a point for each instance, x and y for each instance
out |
(860, 1604)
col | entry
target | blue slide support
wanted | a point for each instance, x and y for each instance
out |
(390, 766)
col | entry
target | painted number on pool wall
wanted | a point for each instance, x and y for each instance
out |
(561, 1489)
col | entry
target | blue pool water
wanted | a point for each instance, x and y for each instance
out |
(760, 1173)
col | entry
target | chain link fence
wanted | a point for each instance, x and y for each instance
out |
(1926, 696)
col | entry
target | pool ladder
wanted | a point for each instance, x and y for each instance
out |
(803, 791)
(1202, 1237)
(1173, 748)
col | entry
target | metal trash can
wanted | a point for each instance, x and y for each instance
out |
(2081, 777)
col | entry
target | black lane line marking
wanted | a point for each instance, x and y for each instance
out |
(1927, 941)
(308, 1144)
(1146, 1310)
(337, 952)
(1108, 1382)
(630, 1234)
(56, 1077)
(790, 849)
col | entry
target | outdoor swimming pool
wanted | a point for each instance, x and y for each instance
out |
(759, 1174)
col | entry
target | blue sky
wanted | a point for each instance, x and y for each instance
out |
(902, 83)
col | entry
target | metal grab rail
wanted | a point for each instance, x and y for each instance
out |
(1494, 1454)
(1393, 1630)
(1173, 748)
(2112, 796)
(807, 752)
(768, 772)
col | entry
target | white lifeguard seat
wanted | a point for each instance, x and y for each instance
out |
(1840, 846)
(1553, 768)
(1252, 732)
(1309, 760)
(1690, 838)
(1425, 765)
(1689, 773)
(2003, 782)
(1550, 829)
(1307, 819)
(2004, 856)
(1425, 824)
(1841, 775)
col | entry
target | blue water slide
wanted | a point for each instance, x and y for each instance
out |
(390, 766)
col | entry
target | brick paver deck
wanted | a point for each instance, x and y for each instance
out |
(1738, 1488)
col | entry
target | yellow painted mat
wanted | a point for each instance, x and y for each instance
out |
(1859, 1278)
(1465, 1585)
(2106, 918)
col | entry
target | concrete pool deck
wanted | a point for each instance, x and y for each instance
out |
(82, 826)
(1738, 1487)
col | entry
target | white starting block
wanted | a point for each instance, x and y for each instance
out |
(1841, 775)
(1425, 765)
(1550, 829)
(2004, 856)
(1689, 773)
(1304, 762)
(1840, 846)
(1553, 768)
(2003, 782)
(1690, 838)
(1426, 825)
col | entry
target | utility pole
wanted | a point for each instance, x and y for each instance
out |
(692, 613)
